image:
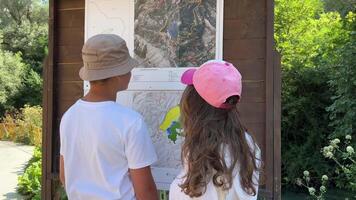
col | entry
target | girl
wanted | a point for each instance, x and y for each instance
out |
(221, 161)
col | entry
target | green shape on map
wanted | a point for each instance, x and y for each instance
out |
(172, 115)
(171, 124)
(174, 131)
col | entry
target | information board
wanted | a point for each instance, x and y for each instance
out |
(166, 37)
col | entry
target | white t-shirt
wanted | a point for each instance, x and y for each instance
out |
(236, 192)
(100, 142)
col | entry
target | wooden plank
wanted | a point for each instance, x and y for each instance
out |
(258, 131)
(69, 90)
(244, 29)
(269, 100)
(69, 54)
(71, 37)
(68, 72)
(252, 112)
(244, 49)
(251, 69)
(253, 92)
(230, 7)
(70, 4)
(46, 185)
(71, 19)
(277, 125)
(244, 9)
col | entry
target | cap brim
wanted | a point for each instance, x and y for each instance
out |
(187, 77)
(100, 74)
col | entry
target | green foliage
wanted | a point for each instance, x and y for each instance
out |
(306, 39)
(11, 70)
(341, 6)
(29, 184)
(24, 32)
(28, 38)
(305, 124)
(31, 91)
(343, 81)
(318, 90)
(343, 154)
(23, 10)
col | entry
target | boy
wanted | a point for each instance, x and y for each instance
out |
(106, 151)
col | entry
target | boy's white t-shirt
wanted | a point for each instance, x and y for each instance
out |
(100, 142)
(212, 192)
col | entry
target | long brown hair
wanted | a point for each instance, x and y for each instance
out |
(207, 130)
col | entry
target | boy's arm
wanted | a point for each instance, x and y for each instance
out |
(61, 171)
(144, 186)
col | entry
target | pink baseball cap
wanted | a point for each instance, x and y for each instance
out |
(215, 81)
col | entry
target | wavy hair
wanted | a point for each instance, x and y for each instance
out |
(209, 132)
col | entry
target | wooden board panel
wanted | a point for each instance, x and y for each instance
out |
(245, 9)
(71, 36)
(257, 130)
(244, 49)
(252, 112)
(69, 54)
(70, 18)
(68, 72)
(253, 92)
(69, 90)
(251, 69)
(70, 4)
(244, 29)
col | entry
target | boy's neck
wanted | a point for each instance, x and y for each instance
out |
(97, 96)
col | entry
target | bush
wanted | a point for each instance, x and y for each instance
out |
(343, 154)
(24, 127)
(305, 122)
(29, 184)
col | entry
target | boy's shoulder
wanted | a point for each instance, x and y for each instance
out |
(112, 110)
(126, 112)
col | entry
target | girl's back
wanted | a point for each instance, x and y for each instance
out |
(221, 161)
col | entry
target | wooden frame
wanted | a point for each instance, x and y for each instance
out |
(248, 43)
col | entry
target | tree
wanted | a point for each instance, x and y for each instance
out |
(30, 39)
(11, 70)
(310, 41)
(343, 81)
(341, 6)
(24, 30)
(34, 11)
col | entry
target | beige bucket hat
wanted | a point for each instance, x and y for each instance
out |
(105, 56)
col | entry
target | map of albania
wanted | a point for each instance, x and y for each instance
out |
(153, 105)
(175, 33)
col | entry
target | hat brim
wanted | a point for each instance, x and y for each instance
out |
(187, 77)
(100, 74)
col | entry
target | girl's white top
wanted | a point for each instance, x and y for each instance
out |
(212, 192)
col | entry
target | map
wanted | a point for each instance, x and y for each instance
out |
(175, 33)
(155, 94)
(167, 37)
